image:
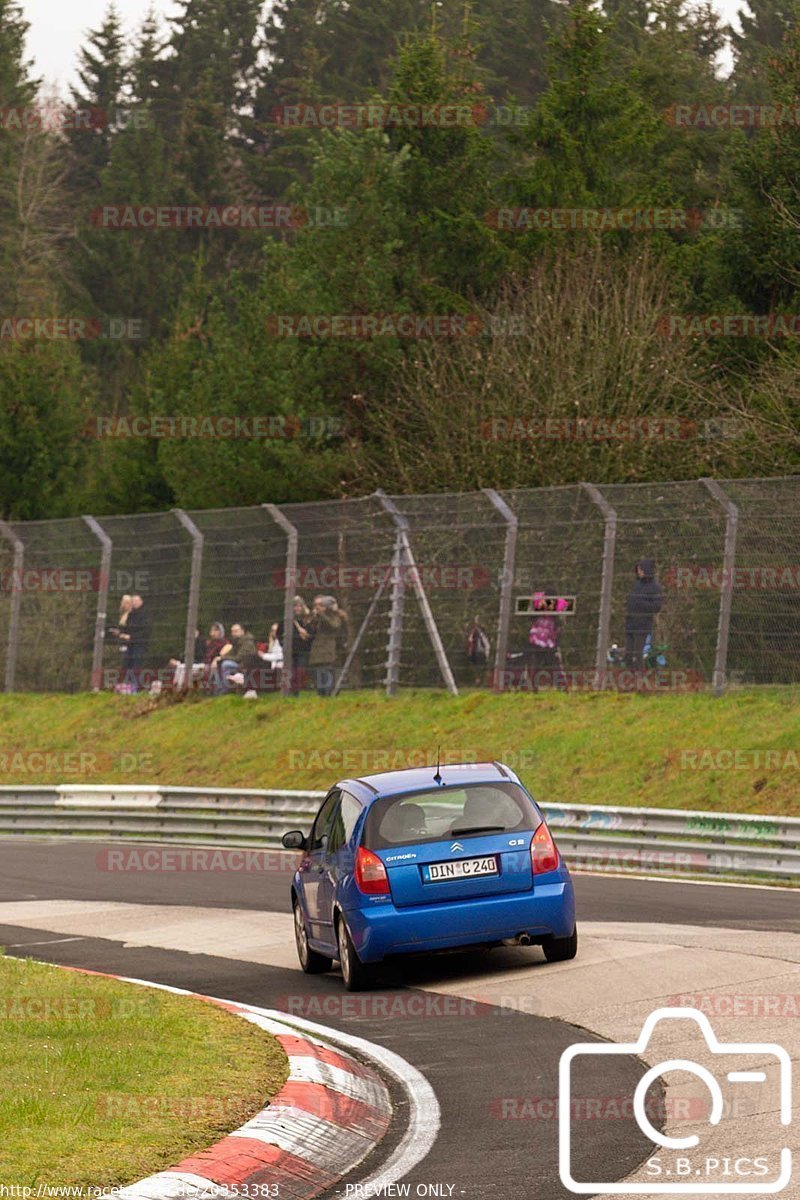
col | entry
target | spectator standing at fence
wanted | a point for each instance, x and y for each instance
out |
(328, 625)
(478, 647)
(136, 637)
(113, 632)
(543, 651)
(644, 602)
(301, 641)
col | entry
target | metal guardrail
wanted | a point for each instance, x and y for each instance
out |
(671, 842)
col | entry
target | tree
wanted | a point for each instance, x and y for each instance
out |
(592, 139)
(102, 75)
(42, 416)
(577, 338)
(762, 257)
(763, 26)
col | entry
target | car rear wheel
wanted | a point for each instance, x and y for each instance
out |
(561, 949)
(311, 962)
(356, 975)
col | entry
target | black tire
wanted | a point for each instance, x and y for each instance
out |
(311, 962)
(561, 949)
(357, 976)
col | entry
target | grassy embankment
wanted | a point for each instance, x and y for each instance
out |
(739, 753)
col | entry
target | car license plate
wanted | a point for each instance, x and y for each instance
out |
(462, 868)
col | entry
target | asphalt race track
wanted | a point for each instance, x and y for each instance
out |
(47, 869)
(469, 1062)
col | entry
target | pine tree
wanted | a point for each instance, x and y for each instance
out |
(99, 99)
(764, 25)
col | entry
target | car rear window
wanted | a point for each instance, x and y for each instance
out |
(449, 812)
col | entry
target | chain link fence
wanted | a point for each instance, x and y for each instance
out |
(413, 574)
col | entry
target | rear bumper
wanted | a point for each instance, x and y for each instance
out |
(548, 909)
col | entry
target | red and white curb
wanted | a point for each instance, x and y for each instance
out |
(329, 1115)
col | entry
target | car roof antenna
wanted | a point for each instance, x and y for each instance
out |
(438, 776)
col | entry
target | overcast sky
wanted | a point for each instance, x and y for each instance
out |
(57, 30)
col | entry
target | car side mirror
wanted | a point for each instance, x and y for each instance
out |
(296, 840)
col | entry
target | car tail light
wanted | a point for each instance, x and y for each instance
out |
(371, 874)
(544, 855)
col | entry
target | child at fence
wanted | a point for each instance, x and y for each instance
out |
(544, 656)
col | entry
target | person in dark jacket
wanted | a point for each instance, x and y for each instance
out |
(135, 638)
(644, 601)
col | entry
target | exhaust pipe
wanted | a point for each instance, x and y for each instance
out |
(522, 939)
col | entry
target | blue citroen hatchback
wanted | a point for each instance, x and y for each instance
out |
(427, 859)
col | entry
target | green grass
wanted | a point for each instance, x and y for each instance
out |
(577, 748)
(111, 1082)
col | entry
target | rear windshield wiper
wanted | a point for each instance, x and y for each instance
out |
(479, 829)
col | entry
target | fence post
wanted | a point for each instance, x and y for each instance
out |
(289, 585)
(507, 585)
(193, 605)
(348, 662)
(726, 594)
(395, 620)
(607, 578)
(405, 554)
(102, 601)
(16, 598)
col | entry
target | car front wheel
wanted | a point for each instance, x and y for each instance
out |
(561, 949)
(356, 974)
(311, 962)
